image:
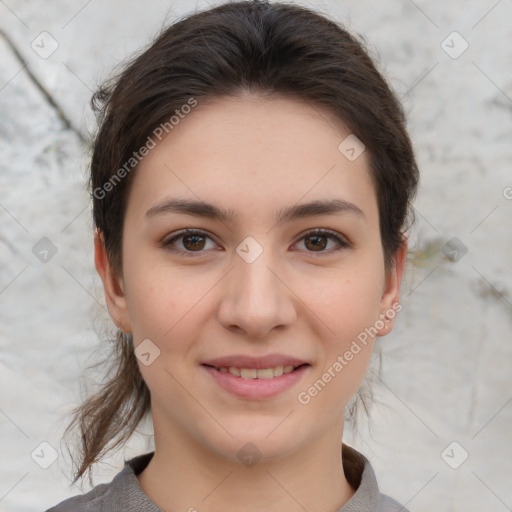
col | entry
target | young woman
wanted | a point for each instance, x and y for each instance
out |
(251, 182)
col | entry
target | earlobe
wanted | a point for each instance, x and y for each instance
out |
(113, 286)
(390, 302)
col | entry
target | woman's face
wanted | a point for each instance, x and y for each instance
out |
(254, 178)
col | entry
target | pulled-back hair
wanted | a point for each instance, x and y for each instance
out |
(273, 49)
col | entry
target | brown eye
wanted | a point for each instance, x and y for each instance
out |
(188, 242)
(317, 241)
(193, 242)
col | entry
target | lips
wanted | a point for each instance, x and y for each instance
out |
(257, 363)
(256, 378)
(243, 383)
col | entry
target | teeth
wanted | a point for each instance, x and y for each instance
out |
(265, 373)
(248, 373)
(278, 371)
(253, 373)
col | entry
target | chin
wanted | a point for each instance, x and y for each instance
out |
(263, 439)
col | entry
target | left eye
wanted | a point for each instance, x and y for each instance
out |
(194, 241)
(318, 240)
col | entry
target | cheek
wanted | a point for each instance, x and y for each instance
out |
(165, 306)
(346, 308)
(344, 301)
(164, 302)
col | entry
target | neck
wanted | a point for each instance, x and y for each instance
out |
(182, 475)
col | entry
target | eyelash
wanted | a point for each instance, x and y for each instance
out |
(343, 243)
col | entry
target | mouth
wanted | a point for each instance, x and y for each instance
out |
(257, 373)
(250, 383)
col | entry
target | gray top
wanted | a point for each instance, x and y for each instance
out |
(124, 494)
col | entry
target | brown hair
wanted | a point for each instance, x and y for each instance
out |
(248, 46)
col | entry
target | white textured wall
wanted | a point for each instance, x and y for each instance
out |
(447, 370)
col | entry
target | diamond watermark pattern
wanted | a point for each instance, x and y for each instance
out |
(351, 147)
(44, 455)
(454, 249)
(44, 250)
(249, 455)
(454, 455)
(44, 45)
(249, 250)
(454, 45)
(146, 352)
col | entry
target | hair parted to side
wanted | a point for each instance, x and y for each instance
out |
(273, 49)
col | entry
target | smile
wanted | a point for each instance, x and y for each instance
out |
(253, 373)
(256, 384)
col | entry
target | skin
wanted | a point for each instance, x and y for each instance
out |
(253, 155)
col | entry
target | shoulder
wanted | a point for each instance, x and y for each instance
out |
(92, 501)
(98, 499)
(387, 504)
(367, 497)
(122, 493)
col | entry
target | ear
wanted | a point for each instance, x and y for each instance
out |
(114, 287)
(390, 301)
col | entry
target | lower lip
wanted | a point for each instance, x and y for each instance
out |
(256, 388)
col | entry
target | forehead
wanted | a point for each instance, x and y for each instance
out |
(253, 154)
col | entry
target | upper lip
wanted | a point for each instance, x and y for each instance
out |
(244, 361)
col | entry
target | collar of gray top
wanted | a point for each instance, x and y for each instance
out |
(124, 493)
(356, 466)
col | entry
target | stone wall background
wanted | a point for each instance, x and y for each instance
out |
(446, 375)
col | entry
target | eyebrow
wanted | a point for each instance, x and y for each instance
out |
(287, 214)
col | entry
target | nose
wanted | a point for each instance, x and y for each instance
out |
(256, 297)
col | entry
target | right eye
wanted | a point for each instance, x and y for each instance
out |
(191, 241)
